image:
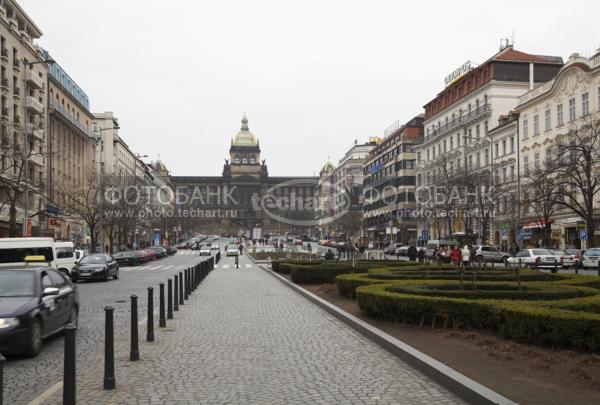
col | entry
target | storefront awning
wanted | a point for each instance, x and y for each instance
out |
(536, 225)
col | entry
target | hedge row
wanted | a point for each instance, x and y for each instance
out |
(320, 274)
(518, 320)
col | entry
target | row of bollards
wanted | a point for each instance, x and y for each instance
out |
(179, 289)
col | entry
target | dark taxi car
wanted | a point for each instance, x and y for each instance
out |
(128, 258)
(99, 266)
(35, 302)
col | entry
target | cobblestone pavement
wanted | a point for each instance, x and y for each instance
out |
(26, 378)
(244, 338)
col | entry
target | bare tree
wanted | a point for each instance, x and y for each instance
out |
(13, 177)
(577, 171)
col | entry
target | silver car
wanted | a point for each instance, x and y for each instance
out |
(591, 257)
(490, 254)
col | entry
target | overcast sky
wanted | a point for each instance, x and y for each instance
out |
(312, 76)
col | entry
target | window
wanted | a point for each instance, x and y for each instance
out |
(548, 154)
(477, 131)
(478, 160)
(559, 115)
(525, 128)
(504, 147)
(451, 143)
(572, 110)
(487, 157)
(599, 98)
(512, 172)
(548, 120)
(536, 124)
(585, 104)
(504, 174)
(536, 161)
(526, 165)
(444, 146)
(496, 150)
(470, 162)
(512, 144)
(457, 140)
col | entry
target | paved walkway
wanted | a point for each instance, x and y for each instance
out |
(244, 338)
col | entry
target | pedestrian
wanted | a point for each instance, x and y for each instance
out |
(456, 255)
(309, 248)
(241, 248)
(421, 254)
(466, 256)
(281, 246)
(412, 252)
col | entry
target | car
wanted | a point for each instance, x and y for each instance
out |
(485, 253)
(232, 250)
(391, 249)
(591, 257)
(151, 254)
(35, 303)
(535, 258)
(158, 251)
(65, 256)
(205, 251)
(565, 259)
(99, 266)
(171, 250)
(214, 246)
(401, 251)
(128, 258)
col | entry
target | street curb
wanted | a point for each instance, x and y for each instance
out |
(459, 384)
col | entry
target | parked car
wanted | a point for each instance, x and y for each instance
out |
(231, 250)
(490, 254)
(151, 254)
(205, 251)
(142, 255)
(391, 249)
(401, 251)
(591, 257)
(535, 258)
(127, 258)
(159, 251)
(99, 266)
(565, 259)
(35, 303)
(171, 250)
(215, 246)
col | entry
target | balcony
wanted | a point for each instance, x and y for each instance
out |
(17, 93)
(37, 133)
(5, 115)
(36, 159)
(34, 106)
(460, 121)
(4, 54)
(68, 116)
(4, 84)
(34, 80)
(17, 120)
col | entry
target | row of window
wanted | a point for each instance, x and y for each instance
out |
(572, 114)
(449, 143)
(451, 118)
(386, 157)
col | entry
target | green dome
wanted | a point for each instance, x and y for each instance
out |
(244, 137)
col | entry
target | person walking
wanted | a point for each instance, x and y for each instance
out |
(466, 256)
(412, 252)
(241, 248)
(456, 255)
(421, 254)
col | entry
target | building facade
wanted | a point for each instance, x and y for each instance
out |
(23, 110)
(548, 114)
(389, 184)
(457, 154)
(71, 151)
(245, 200)
(340, 192)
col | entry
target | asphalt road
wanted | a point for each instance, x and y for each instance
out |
(26, 378)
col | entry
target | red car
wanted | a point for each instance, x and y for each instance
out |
(151, 254)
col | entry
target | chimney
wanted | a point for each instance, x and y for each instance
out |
(531, 76)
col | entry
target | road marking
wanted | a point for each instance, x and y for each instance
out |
(40, 399)
(155, 268)
(143, 267)
(248, 266)
(225, 266)
(125, 268)
(168, 267)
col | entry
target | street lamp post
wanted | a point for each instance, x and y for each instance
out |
(101, 174)
(27, 65)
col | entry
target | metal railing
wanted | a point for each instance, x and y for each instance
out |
(63, 111)
(463, 120)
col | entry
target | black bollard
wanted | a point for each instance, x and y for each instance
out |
(181, 281)
(2, 360)
(109, 350)
(150, 323)
(193, 279)
(176, 293)
(134, 352)
(162, 321)
(598, 267)
(186, 291)
(237, 265)
(69, 371)
(169, 299)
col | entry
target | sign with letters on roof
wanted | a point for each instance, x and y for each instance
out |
(458, 73)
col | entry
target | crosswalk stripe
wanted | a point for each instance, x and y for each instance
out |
(168, 267)
(225, 266)
(143, 268)
(155, 268)
(248, 266)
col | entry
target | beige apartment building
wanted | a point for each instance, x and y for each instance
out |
(71, 153)
(23, 112)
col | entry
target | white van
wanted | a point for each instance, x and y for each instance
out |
(65, 256)
(437, 244)
(14, 250)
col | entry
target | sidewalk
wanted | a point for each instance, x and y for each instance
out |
(244, 338)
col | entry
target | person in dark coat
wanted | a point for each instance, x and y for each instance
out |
(412, 252)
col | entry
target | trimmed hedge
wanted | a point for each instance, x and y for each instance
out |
(526, 321)
(319, 274)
